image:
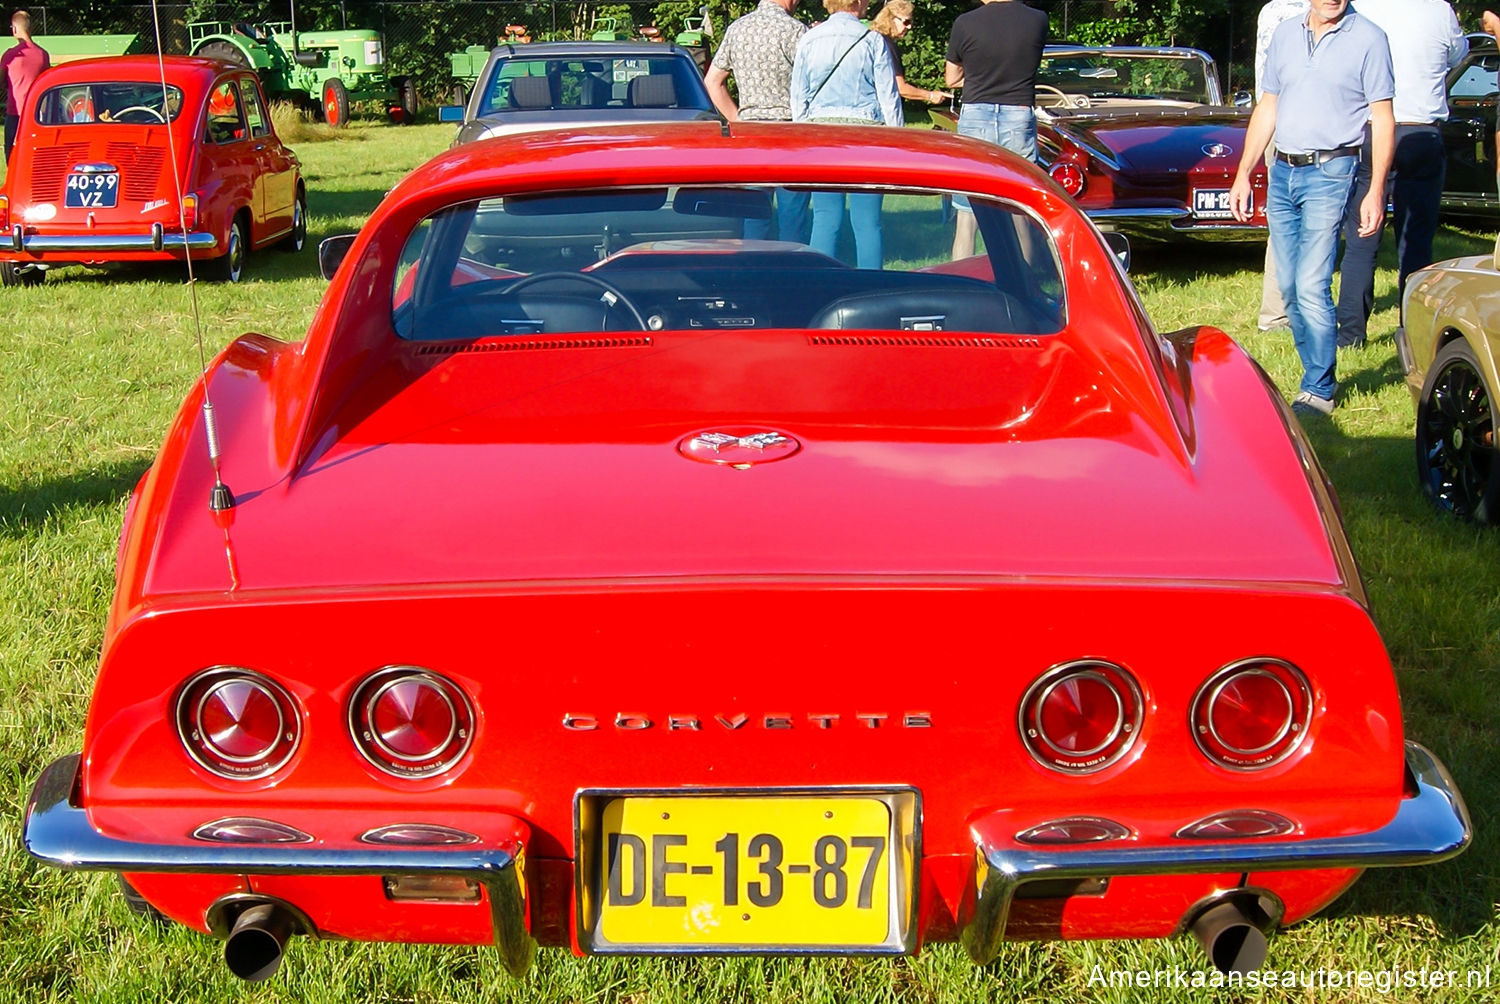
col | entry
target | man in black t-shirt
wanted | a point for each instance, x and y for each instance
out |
(993, 54)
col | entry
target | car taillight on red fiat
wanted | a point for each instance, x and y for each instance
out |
(189, 213)
(237, 723)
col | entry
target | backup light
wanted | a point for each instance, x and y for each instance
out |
(1081, 717)
(1069, 175)
(1074, 830)
(189, 213)
(237, 723)
(410, 722)
(1239, 824)
(1252, 714)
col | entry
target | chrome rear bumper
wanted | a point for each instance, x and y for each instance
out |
(58, 832)
(1173, 225)
(156, 240)
(1431, 826)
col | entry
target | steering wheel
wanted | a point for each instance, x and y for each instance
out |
(119, 115)
(1064, 99)
(620, 299)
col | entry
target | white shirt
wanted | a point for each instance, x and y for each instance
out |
(1426, 43)
(1270, 16)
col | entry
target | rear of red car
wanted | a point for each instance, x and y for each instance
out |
(713, 636)
(118, 162)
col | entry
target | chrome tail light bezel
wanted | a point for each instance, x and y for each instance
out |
(1289, 736)
(1122, 736)
(189, 705)
(379, 753)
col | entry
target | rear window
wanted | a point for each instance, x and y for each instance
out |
(700, 258)
(542, 85)
(133, 102)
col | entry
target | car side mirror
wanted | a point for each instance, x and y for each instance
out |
(451, 113)
(1118, 243)
(1243, 99)
(332, 251)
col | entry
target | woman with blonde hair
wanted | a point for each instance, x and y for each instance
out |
(843, 74)
(894, 21)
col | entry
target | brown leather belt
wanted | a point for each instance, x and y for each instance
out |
(1317, 156)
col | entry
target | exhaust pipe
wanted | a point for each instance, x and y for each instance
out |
(1233, 934)
(257, 942)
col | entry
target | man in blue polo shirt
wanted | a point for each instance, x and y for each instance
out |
(1326, 76)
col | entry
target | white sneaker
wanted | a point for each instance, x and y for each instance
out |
(1311, 404)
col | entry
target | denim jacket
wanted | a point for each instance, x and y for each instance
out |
(862, 87)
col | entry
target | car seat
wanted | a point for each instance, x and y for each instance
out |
(653, 90)
(530, 93)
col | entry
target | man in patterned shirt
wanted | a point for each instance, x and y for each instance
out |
(758, 49)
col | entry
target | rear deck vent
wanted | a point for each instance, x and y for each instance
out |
(140, 168)
(929, 341)
(49, 165)
(534, 344)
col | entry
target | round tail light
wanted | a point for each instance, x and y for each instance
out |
(1252, 714)
(409, 722)
(1069, 175)
(1081, 717)
(237, 723)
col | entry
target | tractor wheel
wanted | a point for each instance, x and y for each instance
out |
(335, 103)
(225, 51)
(459, 95)
(404, 108)
(12, 274)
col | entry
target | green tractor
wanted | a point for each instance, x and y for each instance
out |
(66, 48)
(326, 69)
(609, 29)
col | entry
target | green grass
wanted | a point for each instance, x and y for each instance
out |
(92, 366)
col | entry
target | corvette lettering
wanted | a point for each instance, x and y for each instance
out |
(634, 722)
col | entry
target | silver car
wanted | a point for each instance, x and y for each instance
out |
(557, 85)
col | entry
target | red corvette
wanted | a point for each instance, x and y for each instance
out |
(115, 162)
(593, 576)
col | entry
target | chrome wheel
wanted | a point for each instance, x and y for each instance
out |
(1456, 436)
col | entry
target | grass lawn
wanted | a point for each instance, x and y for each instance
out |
(94, 364)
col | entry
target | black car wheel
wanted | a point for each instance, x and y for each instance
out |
(230, 267)
(335, 103)
(297, 239)
(137, 904)
(1456, 436)
(12, 274)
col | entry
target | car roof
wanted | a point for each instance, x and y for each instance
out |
(138, 67)
(595, 50)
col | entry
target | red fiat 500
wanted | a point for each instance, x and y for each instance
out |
(113, 163)
(595, 575)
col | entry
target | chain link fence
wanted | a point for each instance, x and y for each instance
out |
(421, 36)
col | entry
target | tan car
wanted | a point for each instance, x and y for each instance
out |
(1448, 348)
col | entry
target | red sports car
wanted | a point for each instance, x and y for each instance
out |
(594, 576)
(1143, 140)
(115, 162)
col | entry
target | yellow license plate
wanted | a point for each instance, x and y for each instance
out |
(723, 873)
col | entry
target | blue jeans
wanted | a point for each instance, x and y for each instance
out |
(864, 217)
(1010, 126)
(1305, 210)
(791, 219)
